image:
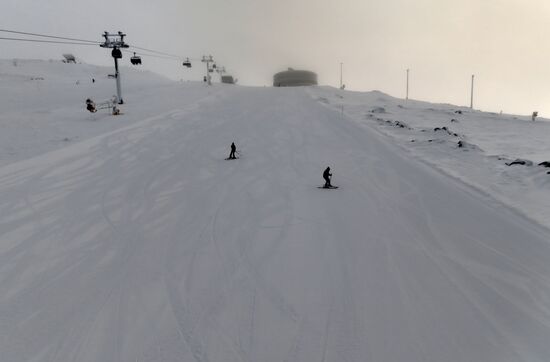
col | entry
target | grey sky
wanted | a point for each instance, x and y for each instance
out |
(503, 42)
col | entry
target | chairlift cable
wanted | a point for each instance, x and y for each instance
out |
(77, 41)
(48, 36)
(155, 51)
(149, 55)
(45, 41)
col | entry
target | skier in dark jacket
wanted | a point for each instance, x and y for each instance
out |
(233, 150)
(90, 105)
(327, 175)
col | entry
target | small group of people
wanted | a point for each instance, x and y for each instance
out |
(326, 174)
(110, 104)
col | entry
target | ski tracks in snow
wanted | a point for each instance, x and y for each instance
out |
(145, 245)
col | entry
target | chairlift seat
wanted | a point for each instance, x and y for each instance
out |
(135, 59)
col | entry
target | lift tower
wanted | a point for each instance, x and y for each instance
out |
(115, 42)
(208, 60)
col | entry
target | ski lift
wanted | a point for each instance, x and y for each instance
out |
(135, 60)
(108, 104)
(116, 53)
(187, 63)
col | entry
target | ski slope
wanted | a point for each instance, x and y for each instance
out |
(143, 244)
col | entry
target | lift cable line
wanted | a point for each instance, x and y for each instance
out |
(156, 51)
(78, 41)
(165, 55)
(148, 55)
(49, 36)
(157, 55)
(185, 59)
(85, 41)
(118, 49)
(46, 41)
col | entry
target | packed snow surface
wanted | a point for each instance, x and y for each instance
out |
(136, 241)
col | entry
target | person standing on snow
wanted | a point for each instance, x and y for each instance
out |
(327, 175)
(233, 150)
(90, 105)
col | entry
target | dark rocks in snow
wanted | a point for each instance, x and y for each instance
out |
(545, 164)
(394, 123)
(378, 110)
(458, 111)
(438, 129)
(465, 146)
(453, 120)
(519, 161)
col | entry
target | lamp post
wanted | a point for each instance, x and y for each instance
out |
(472, 94)
(341, 65)
(407, 87)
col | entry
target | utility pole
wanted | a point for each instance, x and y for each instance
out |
(407, 89)
(115, 42)
(341, 84)
(208, 60)
(472, 94)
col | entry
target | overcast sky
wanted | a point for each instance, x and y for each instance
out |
(505, 43)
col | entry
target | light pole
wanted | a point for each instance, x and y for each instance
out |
(407, 87)
(472, 94)
(115, 42)
(341, 65)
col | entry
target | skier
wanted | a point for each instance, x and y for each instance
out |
(327, 175)
(233, 150)
(90, 105)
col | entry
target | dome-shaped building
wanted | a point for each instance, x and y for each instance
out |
(294, 78)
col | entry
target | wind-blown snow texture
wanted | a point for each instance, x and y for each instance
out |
(143, 244)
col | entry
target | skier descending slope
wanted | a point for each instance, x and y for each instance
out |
(327, 175)
(232, 153)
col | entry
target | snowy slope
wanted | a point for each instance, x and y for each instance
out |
(491, 143)
(42, 103)
(143, 244)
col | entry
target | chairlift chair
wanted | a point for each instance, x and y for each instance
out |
(135, 60)
(187, 63)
